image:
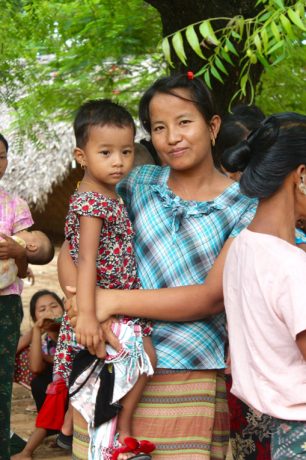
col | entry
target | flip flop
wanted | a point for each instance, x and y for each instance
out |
(141, 448)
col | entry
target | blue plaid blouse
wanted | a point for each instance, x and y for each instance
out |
(176, 244)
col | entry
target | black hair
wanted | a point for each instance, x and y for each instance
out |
(235, 127)
(4, 141)
(199, 95)
(99, 112)
(248, 115)
(38, 295)
(269, 154)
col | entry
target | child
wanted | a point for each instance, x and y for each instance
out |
(39, 251)
(14, 217)
(101, 243)
(264, 281)
(45, 308)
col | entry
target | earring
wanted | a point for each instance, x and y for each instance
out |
(213, 140)
(83, 166)
(302, 186)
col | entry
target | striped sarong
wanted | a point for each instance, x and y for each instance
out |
(184, 413)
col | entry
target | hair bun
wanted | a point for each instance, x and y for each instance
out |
(236, 158)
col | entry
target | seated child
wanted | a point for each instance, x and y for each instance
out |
(39, 251)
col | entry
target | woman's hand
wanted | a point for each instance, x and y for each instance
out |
(9, 248)
(107, 335)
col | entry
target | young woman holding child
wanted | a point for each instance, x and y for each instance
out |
(14, 217)
(183, 214)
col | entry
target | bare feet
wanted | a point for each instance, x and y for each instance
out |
(23, 455)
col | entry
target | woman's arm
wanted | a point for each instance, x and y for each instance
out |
(9, 248)
(24, 341)
(36, 356)
(185, 303)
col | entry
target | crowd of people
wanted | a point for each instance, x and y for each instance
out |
(183, 286)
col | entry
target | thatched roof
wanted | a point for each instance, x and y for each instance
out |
(33, 172)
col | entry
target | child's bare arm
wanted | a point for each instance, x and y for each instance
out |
(87, 327)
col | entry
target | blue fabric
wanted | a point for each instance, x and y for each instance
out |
(176, 244)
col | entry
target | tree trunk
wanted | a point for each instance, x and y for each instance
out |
(177, 14)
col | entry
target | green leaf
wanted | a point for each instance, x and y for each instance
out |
(167, 51)
(208, 33)
(265, 38)
(236, 35)
(226, 57)
(275, 47)
(263, 60)
(178, 45)
(257, 42)
(287, 26)
(275, 31)
(207, 79)
(243, 82)
(295, 18)
(193, 41)
(216, 74)
(279, 3)
(231, 47)
(220, 65)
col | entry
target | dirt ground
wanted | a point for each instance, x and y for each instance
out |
(23, 420)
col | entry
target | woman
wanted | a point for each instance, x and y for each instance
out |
(264, 282)
(183, 214)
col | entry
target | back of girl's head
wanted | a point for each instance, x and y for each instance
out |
(269, 154)
(99, 112)
(199, 95)
(37, 296)
(4, 141)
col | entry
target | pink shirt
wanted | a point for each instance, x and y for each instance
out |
(14, 217)
(265, 300)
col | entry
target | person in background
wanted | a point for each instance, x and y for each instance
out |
(46, 309)
(15, 216)
(39, 251)
(264, 280)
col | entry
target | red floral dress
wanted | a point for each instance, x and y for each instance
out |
(116, 263)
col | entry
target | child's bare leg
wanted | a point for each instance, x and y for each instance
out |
(130, 401)
(34, 441)
(67, 427)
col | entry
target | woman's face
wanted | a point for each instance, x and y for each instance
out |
(47, 307)
(179, 131)
(3, 159)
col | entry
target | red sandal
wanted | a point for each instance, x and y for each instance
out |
(135, 447)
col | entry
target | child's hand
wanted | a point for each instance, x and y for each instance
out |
(9, 248)
(88, 332)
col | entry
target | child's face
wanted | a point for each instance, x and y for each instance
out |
(179, 131)
(108, 155)
(47, 307)
(3, 159)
